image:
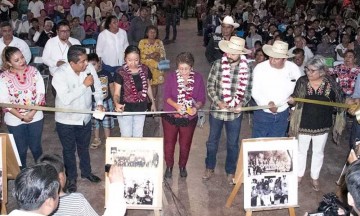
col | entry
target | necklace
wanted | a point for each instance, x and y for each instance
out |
(184, 96)
(23, 75)
(242, 83)
(62, 50)
(139, 95)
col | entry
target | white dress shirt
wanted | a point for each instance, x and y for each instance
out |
(36, 7)
(17, 42)
(55, 50)
(78, 11)
(90, 11)
(110, 47)
(71, 93)
(271, 84)
(24, 27)
(116, 204)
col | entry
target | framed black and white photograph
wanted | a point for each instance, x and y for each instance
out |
(141, 159)
(270, 177)
(267, 191)
(273, 161)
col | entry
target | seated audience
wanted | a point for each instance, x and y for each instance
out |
(342, 47)
(90, 27)
(298, 59)
(124, 22)
(325, 48)
(77, 31)
(44, 34)
(346, 73)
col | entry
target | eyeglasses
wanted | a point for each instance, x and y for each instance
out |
(310, 71)
(64, 31)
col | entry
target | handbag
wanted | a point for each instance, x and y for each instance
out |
(164, 64)
(179, 122)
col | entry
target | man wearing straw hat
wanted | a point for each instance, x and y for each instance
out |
(273, 82)
(213, 51)
(229, 89)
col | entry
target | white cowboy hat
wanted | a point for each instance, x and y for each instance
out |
(235, 45)
(228, 20)
(278, 50)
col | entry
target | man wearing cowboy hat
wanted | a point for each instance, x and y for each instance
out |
(228, 27)
(273, 82)
(229, 89)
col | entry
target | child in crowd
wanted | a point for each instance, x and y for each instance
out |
(107, 84)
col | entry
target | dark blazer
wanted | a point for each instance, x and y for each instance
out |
(43, 39)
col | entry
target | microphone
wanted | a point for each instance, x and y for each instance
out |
(91, 86)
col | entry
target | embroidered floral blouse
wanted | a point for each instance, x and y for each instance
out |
(316, 119)
(346, 77)
(32, 92)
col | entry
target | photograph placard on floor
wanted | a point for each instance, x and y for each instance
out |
(142, 162)
(270, 173)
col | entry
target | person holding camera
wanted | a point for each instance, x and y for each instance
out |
(352, 179)
(313, 122)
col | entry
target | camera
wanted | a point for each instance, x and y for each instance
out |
(330, 205)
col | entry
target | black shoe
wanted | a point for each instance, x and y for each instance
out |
(168, 172)
(93, 178)
(183, 172)
(71, 186)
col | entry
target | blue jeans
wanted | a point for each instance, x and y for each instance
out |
(131, 126)
(170, 20)
(270, 125)
(112, 70)
(28, 136)
(75, 138)
(232, 129)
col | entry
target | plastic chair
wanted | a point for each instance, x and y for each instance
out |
(240, 33)
(329, 62)
(338, 63)
(89, 43)
(35, 51)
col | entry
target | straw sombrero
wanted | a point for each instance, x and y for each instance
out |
(235, 45)
(228, 20)
(278, 50)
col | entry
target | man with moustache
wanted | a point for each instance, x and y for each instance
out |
(8, 39)
(229, 86)
(228, 27)
(72, 82)
(273, 82)
(56, 48)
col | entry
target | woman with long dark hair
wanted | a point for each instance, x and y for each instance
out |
(23, 85)
(132, 87)
(111, 45)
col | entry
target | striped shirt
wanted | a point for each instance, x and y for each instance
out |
(74, 204)
(215, 90)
